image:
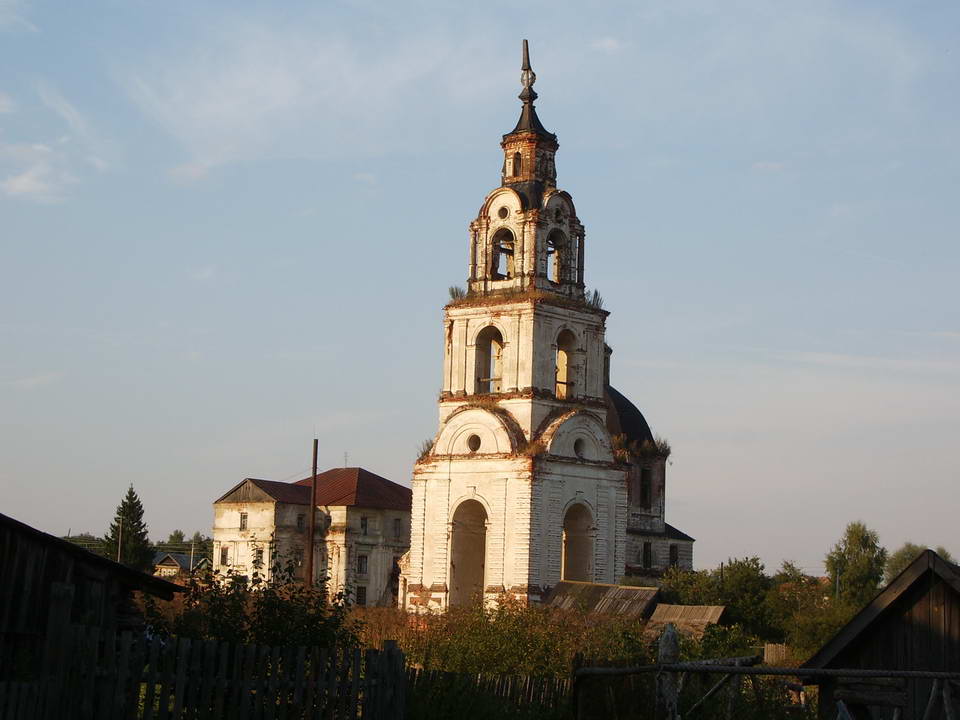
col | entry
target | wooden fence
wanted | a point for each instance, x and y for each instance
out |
(88, 673)
(439, 694)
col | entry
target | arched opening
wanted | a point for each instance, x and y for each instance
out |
(468, 549)
(577, 544)
(489, 353)
(517, 164)
(566, 343)
(556, 256)
(502, 243)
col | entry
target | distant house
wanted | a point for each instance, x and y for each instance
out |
(913, 624)
(32, 562)
(168, 564)
(362, 530)
(690, 620)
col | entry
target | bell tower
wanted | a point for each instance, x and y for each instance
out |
(520, 487)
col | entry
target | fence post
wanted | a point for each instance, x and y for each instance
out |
(668, 653)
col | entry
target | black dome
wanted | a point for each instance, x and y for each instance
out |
(626, 419)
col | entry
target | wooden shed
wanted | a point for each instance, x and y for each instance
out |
(912, 624)
(32, 562)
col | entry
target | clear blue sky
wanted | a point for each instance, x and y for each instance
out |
(225, 226)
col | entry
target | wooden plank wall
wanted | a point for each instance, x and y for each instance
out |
(921, 631)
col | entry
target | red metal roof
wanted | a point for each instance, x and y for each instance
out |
(358, 487)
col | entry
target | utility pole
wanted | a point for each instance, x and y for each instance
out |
(120, 538)
(308, 576)
(191, 556)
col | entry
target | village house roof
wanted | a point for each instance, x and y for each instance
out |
(623, 600)
(353, 487)
(689, 620)
(896, 598)
(669, 532)
(181, 560)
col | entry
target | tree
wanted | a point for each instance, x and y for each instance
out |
(176, 538)
(856, 565)
(129, 532)
(906, 554)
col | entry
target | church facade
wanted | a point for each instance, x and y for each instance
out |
(540, 470)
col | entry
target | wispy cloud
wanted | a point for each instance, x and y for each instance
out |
(607, 44)
(875, 362)
(6, 103)
(365, 177)
(13, 16)
(204, 274)
(38, 172)
(94, 149)
(247, 90)
(32, 382)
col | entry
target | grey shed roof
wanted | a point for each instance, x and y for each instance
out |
(624, 600)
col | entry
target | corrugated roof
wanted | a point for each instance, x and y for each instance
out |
(691, 620)
(624, 600)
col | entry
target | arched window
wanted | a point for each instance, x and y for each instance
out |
(577, 544)
(489, 365)
(566, 344)
(556, 256)
(517, 164)
(503, 264)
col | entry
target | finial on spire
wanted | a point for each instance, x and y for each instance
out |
(527, 76)
(529, 121)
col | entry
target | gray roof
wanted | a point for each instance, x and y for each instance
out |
(624, 600)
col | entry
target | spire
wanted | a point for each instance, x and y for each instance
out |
(529, 122)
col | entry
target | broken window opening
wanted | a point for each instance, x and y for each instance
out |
(566, 342)
(517, 164)
(489, 362)
(224, 555)
(503, 261)
(674, 556)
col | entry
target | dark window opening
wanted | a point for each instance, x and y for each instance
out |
(646, 488)
(243, 521)
(556, 256)
(647, 555)
(301, 518)
(397, 527)
(674, 556)
(298, 556)
(517, 164)
(224, 555)
(363, 524)
(258, 557)
(361, 595)
(361, 564)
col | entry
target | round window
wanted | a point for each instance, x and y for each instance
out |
(579, 447)
(503, 212)
(473, 442)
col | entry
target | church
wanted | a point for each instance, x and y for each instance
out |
(540, 470)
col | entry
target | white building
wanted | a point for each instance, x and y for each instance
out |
(540, 471)
(362, 530)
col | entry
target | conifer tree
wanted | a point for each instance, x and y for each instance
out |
(130, 531)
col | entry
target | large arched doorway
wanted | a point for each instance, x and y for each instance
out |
(577, 544)
(468, 549)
